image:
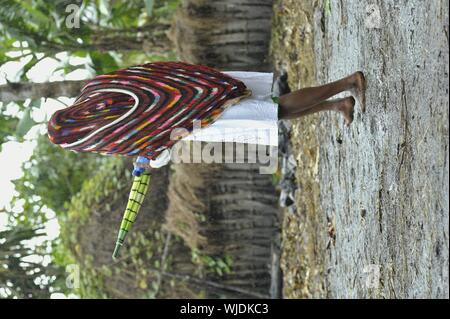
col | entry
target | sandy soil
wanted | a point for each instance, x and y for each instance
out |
(373, 212)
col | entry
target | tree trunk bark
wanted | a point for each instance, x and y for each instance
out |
(152, 38)
(227, 35)
(241, 220)
(21, 91)
(239, 203)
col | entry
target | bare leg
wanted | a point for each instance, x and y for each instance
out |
(304, 99)
(345, 106)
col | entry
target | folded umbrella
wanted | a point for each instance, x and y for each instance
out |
(133, 111)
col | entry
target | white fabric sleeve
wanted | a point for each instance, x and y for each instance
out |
(161, 160)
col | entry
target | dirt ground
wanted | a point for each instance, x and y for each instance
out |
(373, 209)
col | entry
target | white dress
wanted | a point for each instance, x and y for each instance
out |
(252, 120)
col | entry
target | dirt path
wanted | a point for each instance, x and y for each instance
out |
(373, 203)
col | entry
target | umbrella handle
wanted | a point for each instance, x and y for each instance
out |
(135, 200)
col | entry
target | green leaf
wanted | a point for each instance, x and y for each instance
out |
(25, 123)
(81, 54)
(149, 7)
(23, 72)
(103, 62)
(221, 264)
(35, 13)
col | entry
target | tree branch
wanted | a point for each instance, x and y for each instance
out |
(21, 91)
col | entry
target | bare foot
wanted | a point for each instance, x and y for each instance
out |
(347, 108)
(359, 90)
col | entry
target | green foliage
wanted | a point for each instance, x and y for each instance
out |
(22, 272)
(103, 183)
(211, 264)
(103, 62)
(74, 184)
(97, 189)
(104, 26)
(54, 175)
(25, 123)
(149, 7)
(140, 268)
(8, 126)
(140, 264)
(15, 127)
(51, 178)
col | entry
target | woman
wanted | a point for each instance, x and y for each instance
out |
(134, 112)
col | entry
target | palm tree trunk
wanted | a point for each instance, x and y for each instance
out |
(239, 204)
(229, 35)
(152, 38)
